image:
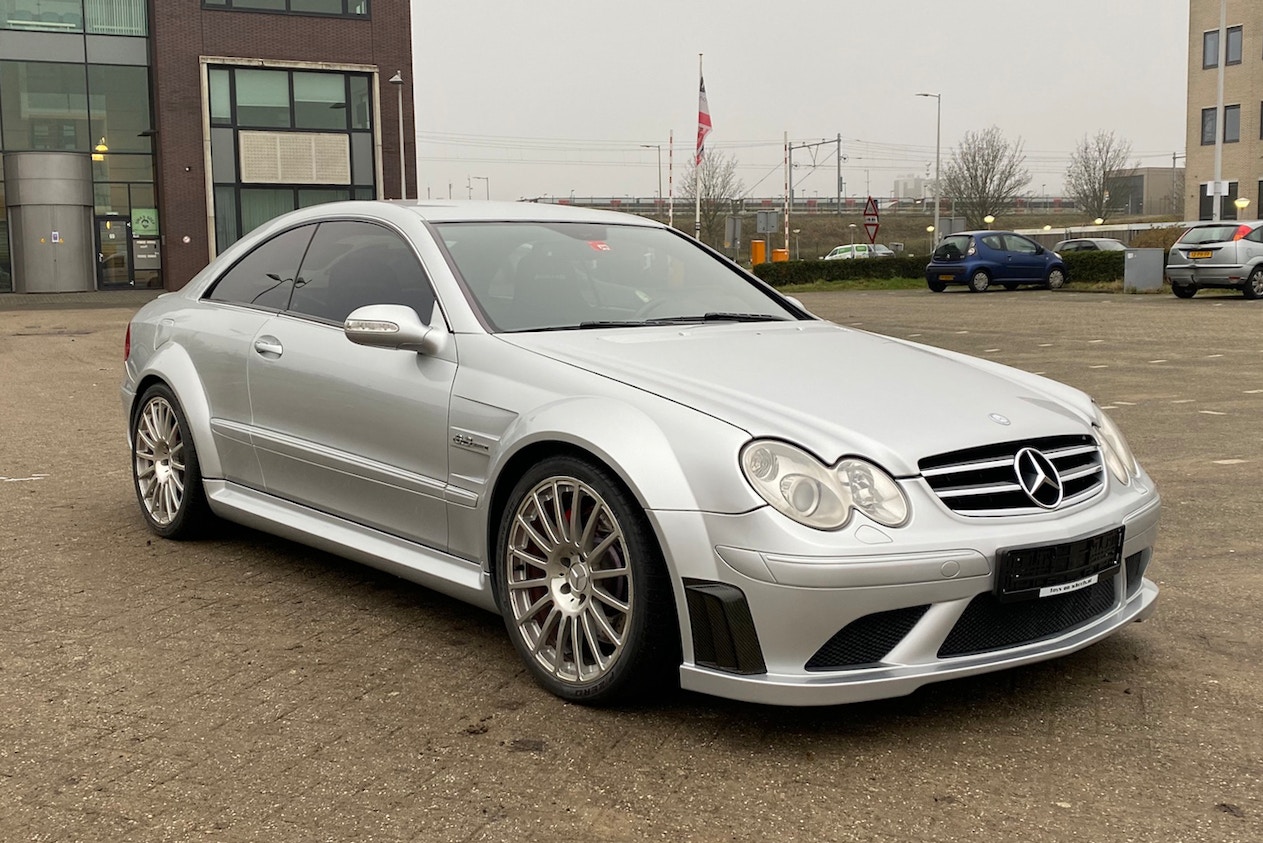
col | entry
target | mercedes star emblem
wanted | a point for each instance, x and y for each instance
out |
(1038, 477)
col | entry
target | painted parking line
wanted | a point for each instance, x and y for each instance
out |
(1253, 391)
(1099, 366)
(1228, 462)
(1184, 401)
(990, 350)
(23, 479)
(1211, 413)
(1125, 403)
(1157, 361)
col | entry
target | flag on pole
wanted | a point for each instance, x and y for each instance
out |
(703, 122)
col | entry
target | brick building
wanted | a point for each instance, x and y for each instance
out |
(183, 124)
(1238, 131)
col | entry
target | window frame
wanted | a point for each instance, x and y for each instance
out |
(1240, 44)
(1208, 138)
(1234, 124)
(1210, 59)
(345, 14)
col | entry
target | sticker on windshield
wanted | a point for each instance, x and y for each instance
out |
(599, 245)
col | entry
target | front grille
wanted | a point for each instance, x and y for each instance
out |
(866, 641)
(987, 624)
(983, 481)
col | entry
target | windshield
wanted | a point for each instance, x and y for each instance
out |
(528, 276)
(1210, 234)
(953, 247)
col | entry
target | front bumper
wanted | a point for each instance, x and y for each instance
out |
(931, 611)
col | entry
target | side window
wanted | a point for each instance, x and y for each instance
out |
(993, 241)
(351, 264)
(1255, 236)
(1020, 244)
(265, 277)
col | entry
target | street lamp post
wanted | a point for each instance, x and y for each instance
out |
(397, 81)
(938, 139)
(658, 147)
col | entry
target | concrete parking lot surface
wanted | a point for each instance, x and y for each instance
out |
(247, 688)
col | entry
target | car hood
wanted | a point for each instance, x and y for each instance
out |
(832, 390)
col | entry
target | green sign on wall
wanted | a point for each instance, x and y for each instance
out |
(144, 222)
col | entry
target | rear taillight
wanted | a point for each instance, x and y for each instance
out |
(973, 247)
(1242, 231)
(127, 342)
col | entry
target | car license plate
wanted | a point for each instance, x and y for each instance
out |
(1201, 253)
(946, 277)
(1048, 570)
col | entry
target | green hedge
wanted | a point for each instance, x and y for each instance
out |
(1093, 267)
(1087, 267)
(809, 272)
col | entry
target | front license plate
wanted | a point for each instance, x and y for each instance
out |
(1051, 590)
(1048, 570)
(946, 277)
(1201, 253)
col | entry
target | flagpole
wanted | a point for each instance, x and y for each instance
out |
(697, 164)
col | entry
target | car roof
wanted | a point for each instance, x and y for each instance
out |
(470, 211)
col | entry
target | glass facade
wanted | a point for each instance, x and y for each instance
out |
(277, 110)
(100, 110)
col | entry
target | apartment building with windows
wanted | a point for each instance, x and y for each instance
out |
(1238, 131)
(141, 137)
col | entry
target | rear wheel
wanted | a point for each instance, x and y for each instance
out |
(1253, 288)
(1184, 291)
(165, 470)
(1056, 279)
(979, 281)
(936, 286)
(582, 586)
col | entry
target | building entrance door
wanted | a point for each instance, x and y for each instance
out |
(114, 251)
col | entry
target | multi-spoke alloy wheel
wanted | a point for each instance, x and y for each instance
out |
(575, 578)
(164, 466)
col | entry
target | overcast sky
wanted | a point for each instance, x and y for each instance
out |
(527, 98)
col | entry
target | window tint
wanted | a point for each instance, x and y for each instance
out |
(352, 264)
(264, 277)
(993, 241)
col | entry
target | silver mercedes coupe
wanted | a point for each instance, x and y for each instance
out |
(656, 468)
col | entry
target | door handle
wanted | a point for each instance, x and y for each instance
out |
(269, 346)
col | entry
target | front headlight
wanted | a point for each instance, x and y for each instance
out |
(800, 486)
(1118, 455)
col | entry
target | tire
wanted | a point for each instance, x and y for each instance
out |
(979, 281)
(165, 471)
(1253, 288)
(1184, 291)
(1010, 285)
(1056, 278)
(936, 286)
(582, 586)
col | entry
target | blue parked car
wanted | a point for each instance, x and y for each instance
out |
(979, 259)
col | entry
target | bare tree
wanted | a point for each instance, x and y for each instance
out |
(985, 174)
(1095, 164)
(720, 189)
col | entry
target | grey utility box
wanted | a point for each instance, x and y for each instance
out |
(1142, 270)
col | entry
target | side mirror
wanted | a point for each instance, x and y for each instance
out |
(1039, 250)
(393, 326)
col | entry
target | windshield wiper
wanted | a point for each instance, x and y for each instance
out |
(722, 316)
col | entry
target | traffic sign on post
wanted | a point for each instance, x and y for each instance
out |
(871, 221)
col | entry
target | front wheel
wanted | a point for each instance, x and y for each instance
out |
(1056, 279)
(582, 585)
(1184, 291)
(979, 281)
(165, 471)
(1253, 288)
